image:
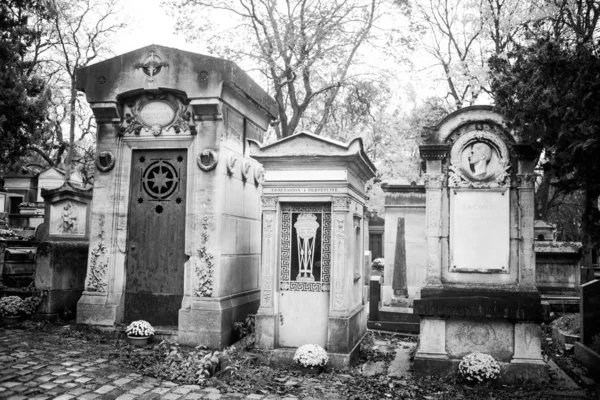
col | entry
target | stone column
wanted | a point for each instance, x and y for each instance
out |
(266, 315)
(339, 220)
(526, 184)
(434, 184)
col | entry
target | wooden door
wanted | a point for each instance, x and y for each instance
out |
(156, 236)
(304, 274)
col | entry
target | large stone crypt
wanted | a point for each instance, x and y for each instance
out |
(175, 218)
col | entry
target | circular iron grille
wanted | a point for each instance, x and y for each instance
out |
(160, 179)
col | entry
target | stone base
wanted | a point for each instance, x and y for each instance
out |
(209, 321)
(342, 361)
(58, 304)
(345, 332)
(92, 309)
(509, 372)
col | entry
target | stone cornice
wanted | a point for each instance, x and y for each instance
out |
(433, 151)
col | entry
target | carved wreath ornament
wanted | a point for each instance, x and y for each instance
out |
(479, 159)
(156, 114)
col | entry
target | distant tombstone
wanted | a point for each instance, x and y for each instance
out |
(590, 311)
(480, 292)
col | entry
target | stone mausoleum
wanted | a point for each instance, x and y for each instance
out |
(480, 290)
(175, 218)
(314, 236)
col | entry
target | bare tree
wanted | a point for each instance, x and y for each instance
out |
(82, 33)
(304, 48)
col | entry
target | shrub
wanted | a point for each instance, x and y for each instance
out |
(192, 367)
(478, 367)
(568, 323)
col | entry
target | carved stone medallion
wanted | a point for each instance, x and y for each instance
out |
(479, 159)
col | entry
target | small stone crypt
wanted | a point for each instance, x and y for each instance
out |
(175, 218)
(313, 242)
(480, 291)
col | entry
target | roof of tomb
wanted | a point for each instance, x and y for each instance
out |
(453, 121)
(312, 149)
(156, 67)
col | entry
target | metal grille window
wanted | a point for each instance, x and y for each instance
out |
(305, 247)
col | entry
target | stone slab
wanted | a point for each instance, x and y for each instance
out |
(590, 311)
(514, 308)
(479, 240)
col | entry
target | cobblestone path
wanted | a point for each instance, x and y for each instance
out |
(41, 365)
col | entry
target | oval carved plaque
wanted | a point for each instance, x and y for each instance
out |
(158, 113)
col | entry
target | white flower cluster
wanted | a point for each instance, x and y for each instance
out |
(311, 355)
(378, 264)
(140, 329)
(478, 367)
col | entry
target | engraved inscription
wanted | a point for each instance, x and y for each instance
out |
(157, 113)
(479, 239)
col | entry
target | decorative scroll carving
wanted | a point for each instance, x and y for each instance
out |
(259, 175)
(433, 180)
(231, 161)
(98, 267)
(246, 170)
(479, 159)
(341, 203)
(204, 265)
(269, 202)
(207, 160)
(157, 113)
(105, 161)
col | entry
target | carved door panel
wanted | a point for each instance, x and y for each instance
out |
(156, 236)
(304, 274)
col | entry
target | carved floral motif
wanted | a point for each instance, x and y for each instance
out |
(204, 266)
(433, 180)
(269, 201)
(338, 296)
(133, 122)
(98, 269)
(341, 202)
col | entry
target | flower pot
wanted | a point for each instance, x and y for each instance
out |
(138, 341)
(311, 370)
(10, 319)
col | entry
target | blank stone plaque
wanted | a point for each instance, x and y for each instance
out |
(479, 230)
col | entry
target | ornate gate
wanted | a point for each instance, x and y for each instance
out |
(156, 236)
(304, 276)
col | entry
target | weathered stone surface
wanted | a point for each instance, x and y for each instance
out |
(495, 337)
